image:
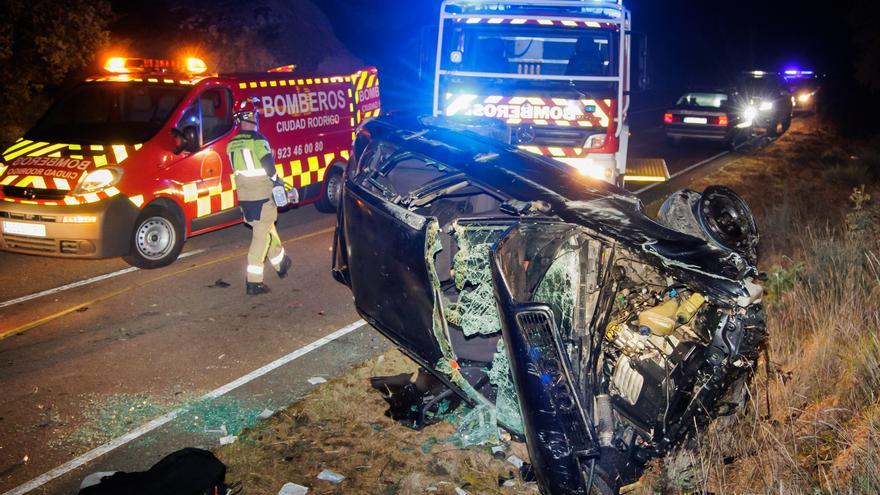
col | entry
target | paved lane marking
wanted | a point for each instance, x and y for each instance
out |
(681, 172)
(35, 323)
(170, 416)
(89, 281)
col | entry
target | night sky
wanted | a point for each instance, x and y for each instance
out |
(691, 41)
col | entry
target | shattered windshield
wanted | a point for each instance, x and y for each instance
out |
(125, 113)
(531, 49)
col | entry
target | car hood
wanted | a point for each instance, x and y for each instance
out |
(597, 205)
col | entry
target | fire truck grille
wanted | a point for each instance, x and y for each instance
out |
(562, 137)
(31, 193)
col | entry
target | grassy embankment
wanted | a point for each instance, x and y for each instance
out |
(813, 425)
(821, 430)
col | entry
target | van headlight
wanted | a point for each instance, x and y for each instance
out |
(750, 113)
(765, 106)
(98, 180)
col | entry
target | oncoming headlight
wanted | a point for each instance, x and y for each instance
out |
(98, 180)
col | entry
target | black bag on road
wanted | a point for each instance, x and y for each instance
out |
(188, 471)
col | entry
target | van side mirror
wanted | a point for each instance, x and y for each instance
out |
(427, 53)
(187, 140)
(641, 81)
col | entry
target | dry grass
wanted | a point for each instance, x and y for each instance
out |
(820, 244)
(341, 427)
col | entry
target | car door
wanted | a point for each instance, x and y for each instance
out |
(204, 177)
(388, 252)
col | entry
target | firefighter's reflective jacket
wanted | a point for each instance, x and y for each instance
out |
(252, 164)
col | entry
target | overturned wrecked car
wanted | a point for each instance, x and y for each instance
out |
(601, 337)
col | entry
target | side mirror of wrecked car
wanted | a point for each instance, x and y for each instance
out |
(186, 140)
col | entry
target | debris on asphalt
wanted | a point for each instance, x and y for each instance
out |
(82, 309)
(219, 283)
(317, 380)
(328, 475)
(95, 478)
(228, 439)
(266, 414)
(460, 491)
(293, 489)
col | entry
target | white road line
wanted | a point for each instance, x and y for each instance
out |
(170, 416)
(680, 172)
(81, 283)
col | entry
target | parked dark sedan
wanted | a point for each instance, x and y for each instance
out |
(549, 299)
(707, 114)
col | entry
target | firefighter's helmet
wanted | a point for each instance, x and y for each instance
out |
(247, 111)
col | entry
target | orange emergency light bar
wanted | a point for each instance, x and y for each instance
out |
(125, 65)
(284, 68)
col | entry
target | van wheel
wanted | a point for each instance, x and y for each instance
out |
(332, 191)
(157, 238)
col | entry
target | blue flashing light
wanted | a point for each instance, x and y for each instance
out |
(546, 379)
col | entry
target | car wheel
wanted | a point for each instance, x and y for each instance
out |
(786, 124)
(157, 238)
(332, 191)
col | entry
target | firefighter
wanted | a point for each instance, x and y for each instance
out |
(255, 175)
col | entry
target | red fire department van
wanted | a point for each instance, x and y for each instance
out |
(132, 162)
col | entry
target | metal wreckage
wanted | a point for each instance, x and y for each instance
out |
(547, 301)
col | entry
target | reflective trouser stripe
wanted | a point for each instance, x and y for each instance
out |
(265, 241)
(255, 269)
(276, 261)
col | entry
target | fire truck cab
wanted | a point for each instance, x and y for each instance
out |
(133, 161)
(555, 72)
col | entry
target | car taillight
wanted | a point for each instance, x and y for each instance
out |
(722, 120)
(667, 118)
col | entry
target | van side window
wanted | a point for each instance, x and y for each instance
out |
(216, 106)
(210, 114)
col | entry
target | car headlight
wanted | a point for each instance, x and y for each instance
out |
(98, 180)
(750, 113)
(765, 106)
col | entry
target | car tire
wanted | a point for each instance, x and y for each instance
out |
(332, 192)
(786, 124)
(157, 238)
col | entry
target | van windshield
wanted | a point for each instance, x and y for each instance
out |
(118, 112)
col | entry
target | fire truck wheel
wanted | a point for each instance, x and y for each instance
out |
(332, 191)
(157, 238)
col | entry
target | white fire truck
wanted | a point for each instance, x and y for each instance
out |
(556, 72)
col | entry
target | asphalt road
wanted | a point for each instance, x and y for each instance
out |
(176, 333)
